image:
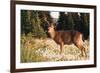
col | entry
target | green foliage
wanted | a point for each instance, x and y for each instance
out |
(74, 21)
(65, 21)
(31, 22)
(85, 24)
(36, 22)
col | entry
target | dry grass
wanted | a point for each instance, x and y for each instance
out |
(41, 50)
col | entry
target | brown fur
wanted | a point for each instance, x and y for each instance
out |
(67, 37)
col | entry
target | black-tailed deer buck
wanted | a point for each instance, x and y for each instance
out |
(67, 37)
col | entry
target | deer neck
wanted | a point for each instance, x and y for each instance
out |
(53, 34)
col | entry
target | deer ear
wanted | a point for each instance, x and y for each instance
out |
(54, 25)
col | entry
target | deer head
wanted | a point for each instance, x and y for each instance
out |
(51, 30)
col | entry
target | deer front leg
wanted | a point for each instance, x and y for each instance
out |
(61, 47)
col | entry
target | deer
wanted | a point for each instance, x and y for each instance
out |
(67, 37)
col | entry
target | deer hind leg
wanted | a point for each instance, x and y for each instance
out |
(83, 50)
(79, 43)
